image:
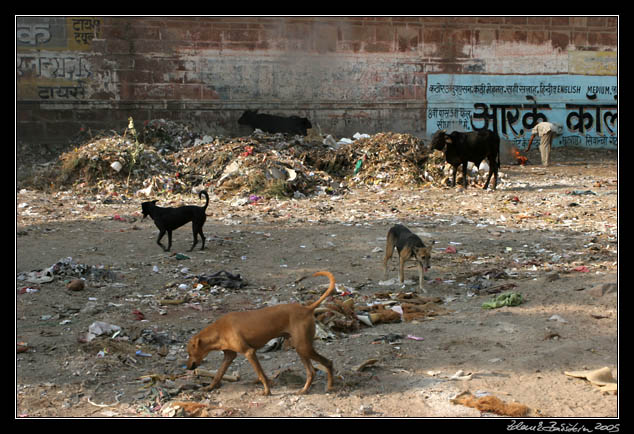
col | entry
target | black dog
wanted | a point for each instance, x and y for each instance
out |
(169, 219)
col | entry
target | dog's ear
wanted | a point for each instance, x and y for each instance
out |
(194, 342)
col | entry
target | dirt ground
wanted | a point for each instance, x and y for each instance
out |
(540, 234)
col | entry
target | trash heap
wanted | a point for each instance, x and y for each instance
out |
(168, 136)
(384, 158)
(168, 157)
(260, 164)
(116, 159)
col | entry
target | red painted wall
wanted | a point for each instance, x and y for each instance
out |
(346, 74)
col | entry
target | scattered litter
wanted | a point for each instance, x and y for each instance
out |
(221, 278)
(192, 409)
(491, 404)
(99, 328)
(234, 376)
(602, 289)
(166, 302)
(460, 375)
(381, 315)
(76, 285)
(391, 338)
(601, 378)
(323, 333)
(66, 267)
(366, 364)
(138, 315)
(366, 410)
(506, 299)
(582, 193)
(117, 166)
(365, 319)
(28, 290)
(282, 157)
(43, 276)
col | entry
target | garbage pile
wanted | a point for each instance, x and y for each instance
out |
(115, 159)
(258, 165)
(168, 136)
(169, 157)
(384, 158)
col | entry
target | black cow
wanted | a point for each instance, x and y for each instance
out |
(275, 124)
(473, 146)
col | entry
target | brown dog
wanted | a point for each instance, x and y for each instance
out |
(246, 332)
(409, 246)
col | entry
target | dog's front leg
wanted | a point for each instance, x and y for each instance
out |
(158, 240)
(229, 356)
(169, 240)
(251, 357)
(421, 274)
(388, 255)
(401, 269)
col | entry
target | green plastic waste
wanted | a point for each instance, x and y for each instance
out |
(506, 299)
(357, 167)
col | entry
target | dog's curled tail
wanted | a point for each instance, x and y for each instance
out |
(329, 291)
(204, 192)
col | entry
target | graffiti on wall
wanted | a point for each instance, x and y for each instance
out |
(52, 62)
(57, 33)
(511, 105)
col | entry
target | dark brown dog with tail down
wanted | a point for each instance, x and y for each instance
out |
(246, 332)
(409, 246)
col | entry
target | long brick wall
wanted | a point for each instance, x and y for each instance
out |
(346, 74)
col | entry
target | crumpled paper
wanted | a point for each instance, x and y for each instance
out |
(602, 378)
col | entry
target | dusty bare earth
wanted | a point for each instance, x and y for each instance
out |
(536, 236)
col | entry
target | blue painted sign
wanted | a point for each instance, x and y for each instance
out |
(511, 105)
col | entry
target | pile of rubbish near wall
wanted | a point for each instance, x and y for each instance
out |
(168, 157)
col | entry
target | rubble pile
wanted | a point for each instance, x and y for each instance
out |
(384, 158)
(169, 157)
(115, 159)
(260, 164)
(166, 135)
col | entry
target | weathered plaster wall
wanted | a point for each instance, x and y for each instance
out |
(346, 74)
